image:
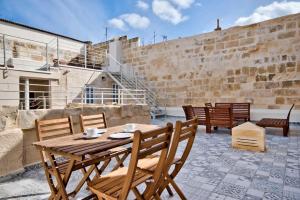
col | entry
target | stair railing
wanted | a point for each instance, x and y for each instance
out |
(129, 73)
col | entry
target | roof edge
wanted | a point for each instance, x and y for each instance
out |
(41, 30)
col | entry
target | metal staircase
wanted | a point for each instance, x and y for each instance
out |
(128, 79)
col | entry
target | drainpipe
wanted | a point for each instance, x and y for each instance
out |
(57, 51)
(27, 106)
(4, 52)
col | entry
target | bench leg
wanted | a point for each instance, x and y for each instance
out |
(285, 131)
(208, 129)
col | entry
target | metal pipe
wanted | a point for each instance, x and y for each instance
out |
(47, 57)
(57, 50)
(85, 56)
(4, 52)
(27, 103)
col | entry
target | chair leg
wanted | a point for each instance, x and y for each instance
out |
(169, 191)
(177, 189)
(137, 194)
(285, 131)
(208, 129)
(120, 161)
(86, 175)
(157, 197)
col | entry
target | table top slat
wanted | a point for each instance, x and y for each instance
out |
(76, 145)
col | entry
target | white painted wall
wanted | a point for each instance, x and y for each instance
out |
(11, 30)
(255, 114)
(115, 51)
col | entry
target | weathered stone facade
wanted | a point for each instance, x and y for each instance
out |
(259, 62)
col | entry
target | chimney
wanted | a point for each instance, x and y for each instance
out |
(218, 26)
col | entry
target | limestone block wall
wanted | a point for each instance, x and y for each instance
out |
(16, 150)
(259, 62)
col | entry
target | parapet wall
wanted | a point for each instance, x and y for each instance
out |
(258, 63)
(16, 150)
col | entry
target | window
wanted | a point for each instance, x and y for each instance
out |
(115, 93)
(89, 94)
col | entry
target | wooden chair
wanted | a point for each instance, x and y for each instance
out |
(92, 121)
(117, 184)
(208, 105)
(200, 113)
(220, 117)
(188, 111)
(99, 121)
(277, 123)
(47, 129)
(196, 112)
(185, 132)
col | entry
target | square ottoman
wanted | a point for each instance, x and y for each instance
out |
(248, 136)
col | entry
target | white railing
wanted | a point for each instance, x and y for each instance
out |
(43, 96)
(28, 54)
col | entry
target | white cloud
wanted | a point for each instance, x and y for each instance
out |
(142, 5)
(136, 21)
(166, 11)
(117, 23)
(273, 10)
(183, 3)
(131, 19)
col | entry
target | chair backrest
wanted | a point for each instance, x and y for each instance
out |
(92, 121)
(220, 116)
(145, 144)
(184, 131)
(288, 116)
(241, 111)
(47, 129)
(223, 105)
(208, 105)
(201, 115)
(188, 111)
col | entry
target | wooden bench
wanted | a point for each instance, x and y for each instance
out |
(240, 111)
(219, 117)
(197, 112)
(277, 123)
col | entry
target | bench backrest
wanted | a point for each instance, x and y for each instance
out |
(221, 116)
(288, 116)
(241, 111)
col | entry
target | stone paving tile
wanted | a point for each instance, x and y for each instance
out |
(213, 171)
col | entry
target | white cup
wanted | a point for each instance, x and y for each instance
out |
(130, 127)
(91, 132)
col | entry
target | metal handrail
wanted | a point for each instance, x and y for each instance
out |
(65, 96)
(80, 55)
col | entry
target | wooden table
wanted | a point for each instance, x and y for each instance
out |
(76, 148)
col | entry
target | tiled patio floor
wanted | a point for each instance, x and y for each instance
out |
(213, 171)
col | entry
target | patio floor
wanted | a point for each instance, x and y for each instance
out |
(213, 170)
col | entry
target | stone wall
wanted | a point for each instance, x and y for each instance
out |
(259, 63)
(16, 150)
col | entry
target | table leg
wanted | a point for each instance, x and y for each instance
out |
(61, 182)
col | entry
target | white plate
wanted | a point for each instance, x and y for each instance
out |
(90, 137)
(128, 130)
(99, 131)
(120, 135)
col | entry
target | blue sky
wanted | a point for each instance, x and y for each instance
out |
(87, 19)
